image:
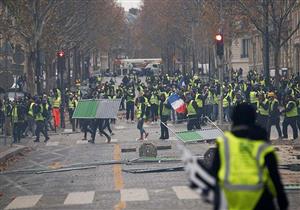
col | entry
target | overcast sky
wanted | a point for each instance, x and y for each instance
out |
(127, 4)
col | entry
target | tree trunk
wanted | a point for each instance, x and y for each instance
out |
(184, 61)
(277, 64)
(30, 73)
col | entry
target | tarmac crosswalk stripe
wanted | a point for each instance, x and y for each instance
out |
(76, 198)
(184, 192)
(24, 202)
(52, 143)
(135, 194)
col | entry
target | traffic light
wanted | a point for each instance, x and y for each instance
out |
(60, 60)
(220, 44)
(60, 54)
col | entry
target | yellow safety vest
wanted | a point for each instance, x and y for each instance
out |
(272, 104)
(253, 98)
(293, 112)
(39, 116)
(225, 101)
(216, 99)
(147, 102)
(191, 110)
(261, 110)
(72, 104)
(165, 111)
(14, 114)
(243, 174)
(130, 97)
(56, 102)
(210, 98)
(154, 99)
(139, 111)
(199, 101)
(30, 111)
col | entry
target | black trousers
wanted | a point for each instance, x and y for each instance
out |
(72, 121)
(107, 125)
(292, 121)
(130, 110)
(154, 112)
(164, 132)
(85, 125)
(17, 131)
(274, 121)
(193, 122)
(40, 128)
(99, 124)
(200, 114)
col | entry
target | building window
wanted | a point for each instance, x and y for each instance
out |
(245, 48)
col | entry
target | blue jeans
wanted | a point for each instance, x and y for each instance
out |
(215, 111)
(130, 110)
(226, 114)
(140, 126)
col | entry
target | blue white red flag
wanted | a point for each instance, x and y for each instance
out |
(177, 103)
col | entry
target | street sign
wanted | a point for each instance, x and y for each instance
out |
(6, 80)
(19, 57)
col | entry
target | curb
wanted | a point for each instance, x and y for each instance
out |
(11, 152)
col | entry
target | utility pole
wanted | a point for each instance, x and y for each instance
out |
(194, 46)
(220, 54)
(61, 65)
(266, 45)
(37, 51)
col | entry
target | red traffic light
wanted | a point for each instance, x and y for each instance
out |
(61, 53)
(219, 37)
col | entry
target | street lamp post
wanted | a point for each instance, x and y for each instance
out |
(61, 60)
(220, 58)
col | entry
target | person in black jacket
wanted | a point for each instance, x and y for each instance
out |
(274, 115)
(193, 121)
(165, 112)
(244, 126)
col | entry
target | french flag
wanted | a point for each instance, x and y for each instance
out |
(177, 103)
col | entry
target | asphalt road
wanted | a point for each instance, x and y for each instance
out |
(106, 186)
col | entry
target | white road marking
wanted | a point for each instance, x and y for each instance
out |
(16, 185)
(114, 140)
(76, 198)
(52, 143)
(119, 127)
(173, 138)
(81, 142)
(135, 194)
(184, 192)
(24, 202)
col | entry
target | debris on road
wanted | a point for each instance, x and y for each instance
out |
(154, 170)
(64, 170)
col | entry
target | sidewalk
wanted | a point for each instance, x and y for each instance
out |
(7, 151)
